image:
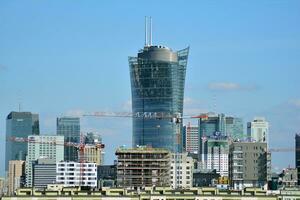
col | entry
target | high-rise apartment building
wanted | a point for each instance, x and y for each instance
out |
(72, 174)
(297, 155)
(249, 164)
(214, 156)
(19, 124)
(181, 170)
(190, 138)
(16, 175)
(69, 127)
(258, 129)
(44, 172)
(143, 166)
(211, 123)
(157, 86)
(43, 146)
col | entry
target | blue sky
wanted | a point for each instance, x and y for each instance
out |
(69, 57)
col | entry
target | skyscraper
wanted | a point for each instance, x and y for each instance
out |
(297, 155)
(19, 124)
(258, 129)
(69, 127)
(46, 146)
(157, 86)
(190, 138)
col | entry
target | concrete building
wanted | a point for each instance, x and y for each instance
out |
(16, 175)
(43, 146)
(93, 153)
(297, 155)
(157, 76)
(181, 171)
(215, 150)
(19, 124)
(258, 129)
(44, 172)
(71, 174)
(190, 139)
(69, 127)
(142, 167)
(249, 164)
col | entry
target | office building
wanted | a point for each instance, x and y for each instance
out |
(215, 153)
(72, 174)
(93, 138)
(107, 175)
(16, 175)
(211, 123)
(249, 164)
(143, 166)
(181, 171)
(44, 172)
(93, 153)
(190, 139)
(19, 124)
(288, 177)
(258, 129)
(43, 146)
(69, 127)
(297, 155)
(157, 86)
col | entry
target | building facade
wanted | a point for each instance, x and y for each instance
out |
(19, 124)
(215, 150)
(143, 166)
(72, 174)
(43, 146)
(69, 127)
(16, 175)
(93, 153)
(44, 172)
(190, 139)
(297, 155)
(157, 86)
(181, 171)
(211, 123)
(249, 164)
(258, 129)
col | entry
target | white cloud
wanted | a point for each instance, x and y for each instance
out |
(75, 113)
(229, 86)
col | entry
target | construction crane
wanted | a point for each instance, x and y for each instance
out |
(80, 146)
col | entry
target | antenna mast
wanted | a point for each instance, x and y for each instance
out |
(146, 35)
(150, 38)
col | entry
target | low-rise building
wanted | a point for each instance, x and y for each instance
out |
(16, 175)
(72, 174)
(44, 172)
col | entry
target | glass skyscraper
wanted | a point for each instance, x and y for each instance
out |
(157, 86)
(19, 124)
(69, 127)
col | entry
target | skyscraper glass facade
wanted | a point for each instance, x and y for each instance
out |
(69, 127)
(157, 86)
(19, 124)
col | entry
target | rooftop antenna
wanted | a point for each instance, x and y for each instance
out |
(150, 37)
(146, 35)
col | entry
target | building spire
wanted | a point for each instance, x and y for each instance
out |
(148, 31)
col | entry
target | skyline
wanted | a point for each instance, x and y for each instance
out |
(244, 66)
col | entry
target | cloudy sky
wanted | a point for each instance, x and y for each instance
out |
(70, 57)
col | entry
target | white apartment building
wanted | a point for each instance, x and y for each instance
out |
(216, 155)
(76, 174)
(258, 129)
(42, 146)
(181, 171)
(191, 138)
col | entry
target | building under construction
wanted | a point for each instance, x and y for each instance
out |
(143, 166)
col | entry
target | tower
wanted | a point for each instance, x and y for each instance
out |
(157, 86)
(19, 124)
